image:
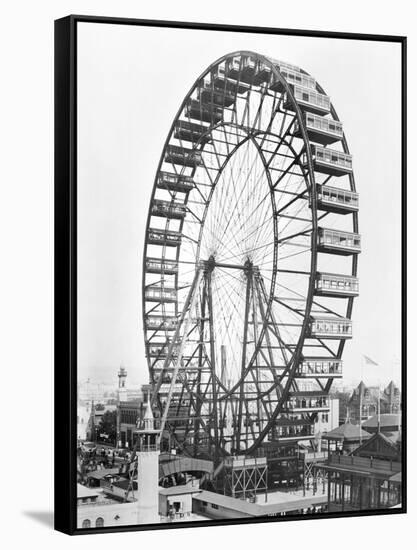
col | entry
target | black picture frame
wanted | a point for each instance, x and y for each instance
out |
(66, 262)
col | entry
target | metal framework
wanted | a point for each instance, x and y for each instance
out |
(250, 259)
(245, 477)
(314, 475)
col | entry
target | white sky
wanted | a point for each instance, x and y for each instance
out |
(131, 82)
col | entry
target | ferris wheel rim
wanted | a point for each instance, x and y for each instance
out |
(312, 192)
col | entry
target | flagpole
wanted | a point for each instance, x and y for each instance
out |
(360, 402)
(379, 405)
(400, 410)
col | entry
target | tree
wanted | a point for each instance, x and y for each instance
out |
(108, 425)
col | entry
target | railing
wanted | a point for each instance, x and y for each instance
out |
(160, 265)
(310, 97)
(363, 462)
(339, 239)
(168, 178)
(320, 455)
(168, 207)
(330, 126)
(245, 462)
(282, 65)
(291, 431)
(183, 154)
(161, 294)
(148, 448)
(295, 77)
(329, 328)
(161, 323)
(308, 403)
(332, 157)
(342, 197)
(320, 367)
(338, 283)
(159, 235)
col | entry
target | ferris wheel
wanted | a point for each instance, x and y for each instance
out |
(250, 259)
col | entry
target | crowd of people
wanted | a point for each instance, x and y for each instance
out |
(100, 459)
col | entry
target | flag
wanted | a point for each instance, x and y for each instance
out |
(369, 361)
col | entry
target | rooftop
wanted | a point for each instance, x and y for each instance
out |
(99, 474)
(379, 446)
(385, 420)
(292, 502)
(284, 502)
(85, 492)
(179, 490)
(347, 432)
(227, 502)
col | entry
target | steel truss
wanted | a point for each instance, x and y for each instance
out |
(245, 477)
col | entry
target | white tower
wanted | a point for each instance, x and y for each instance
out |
(148, 469)
(121, 398)
(122, 391)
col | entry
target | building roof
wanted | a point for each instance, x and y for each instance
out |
(122, 483)
(293, 422)
(347, 432)
(392, 389)
(179, 490)
(396, 477)
(254, 509)
(379, 446)
(85, 492)
(394, 437)
(99, 474)
(299, 504)
(227, 502)
(367, 393)
(385, 420)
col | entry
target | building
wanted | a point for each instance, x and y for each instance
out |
(94, 478)
(148, 468)
(345, 438)
(86, 495)
(97, 412)
(363, 403)
(329, 420)
(83, 417)
(368, 479)
(122, 390)
(122, 489)
(216, 506)
(131, 406)
(372, 398)
(88, 391)
(177, 502)
(128, 412)
(385, 423)
(381, 446)
(110, 506)
(106, 513)
(94, 510)
(391, 399)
